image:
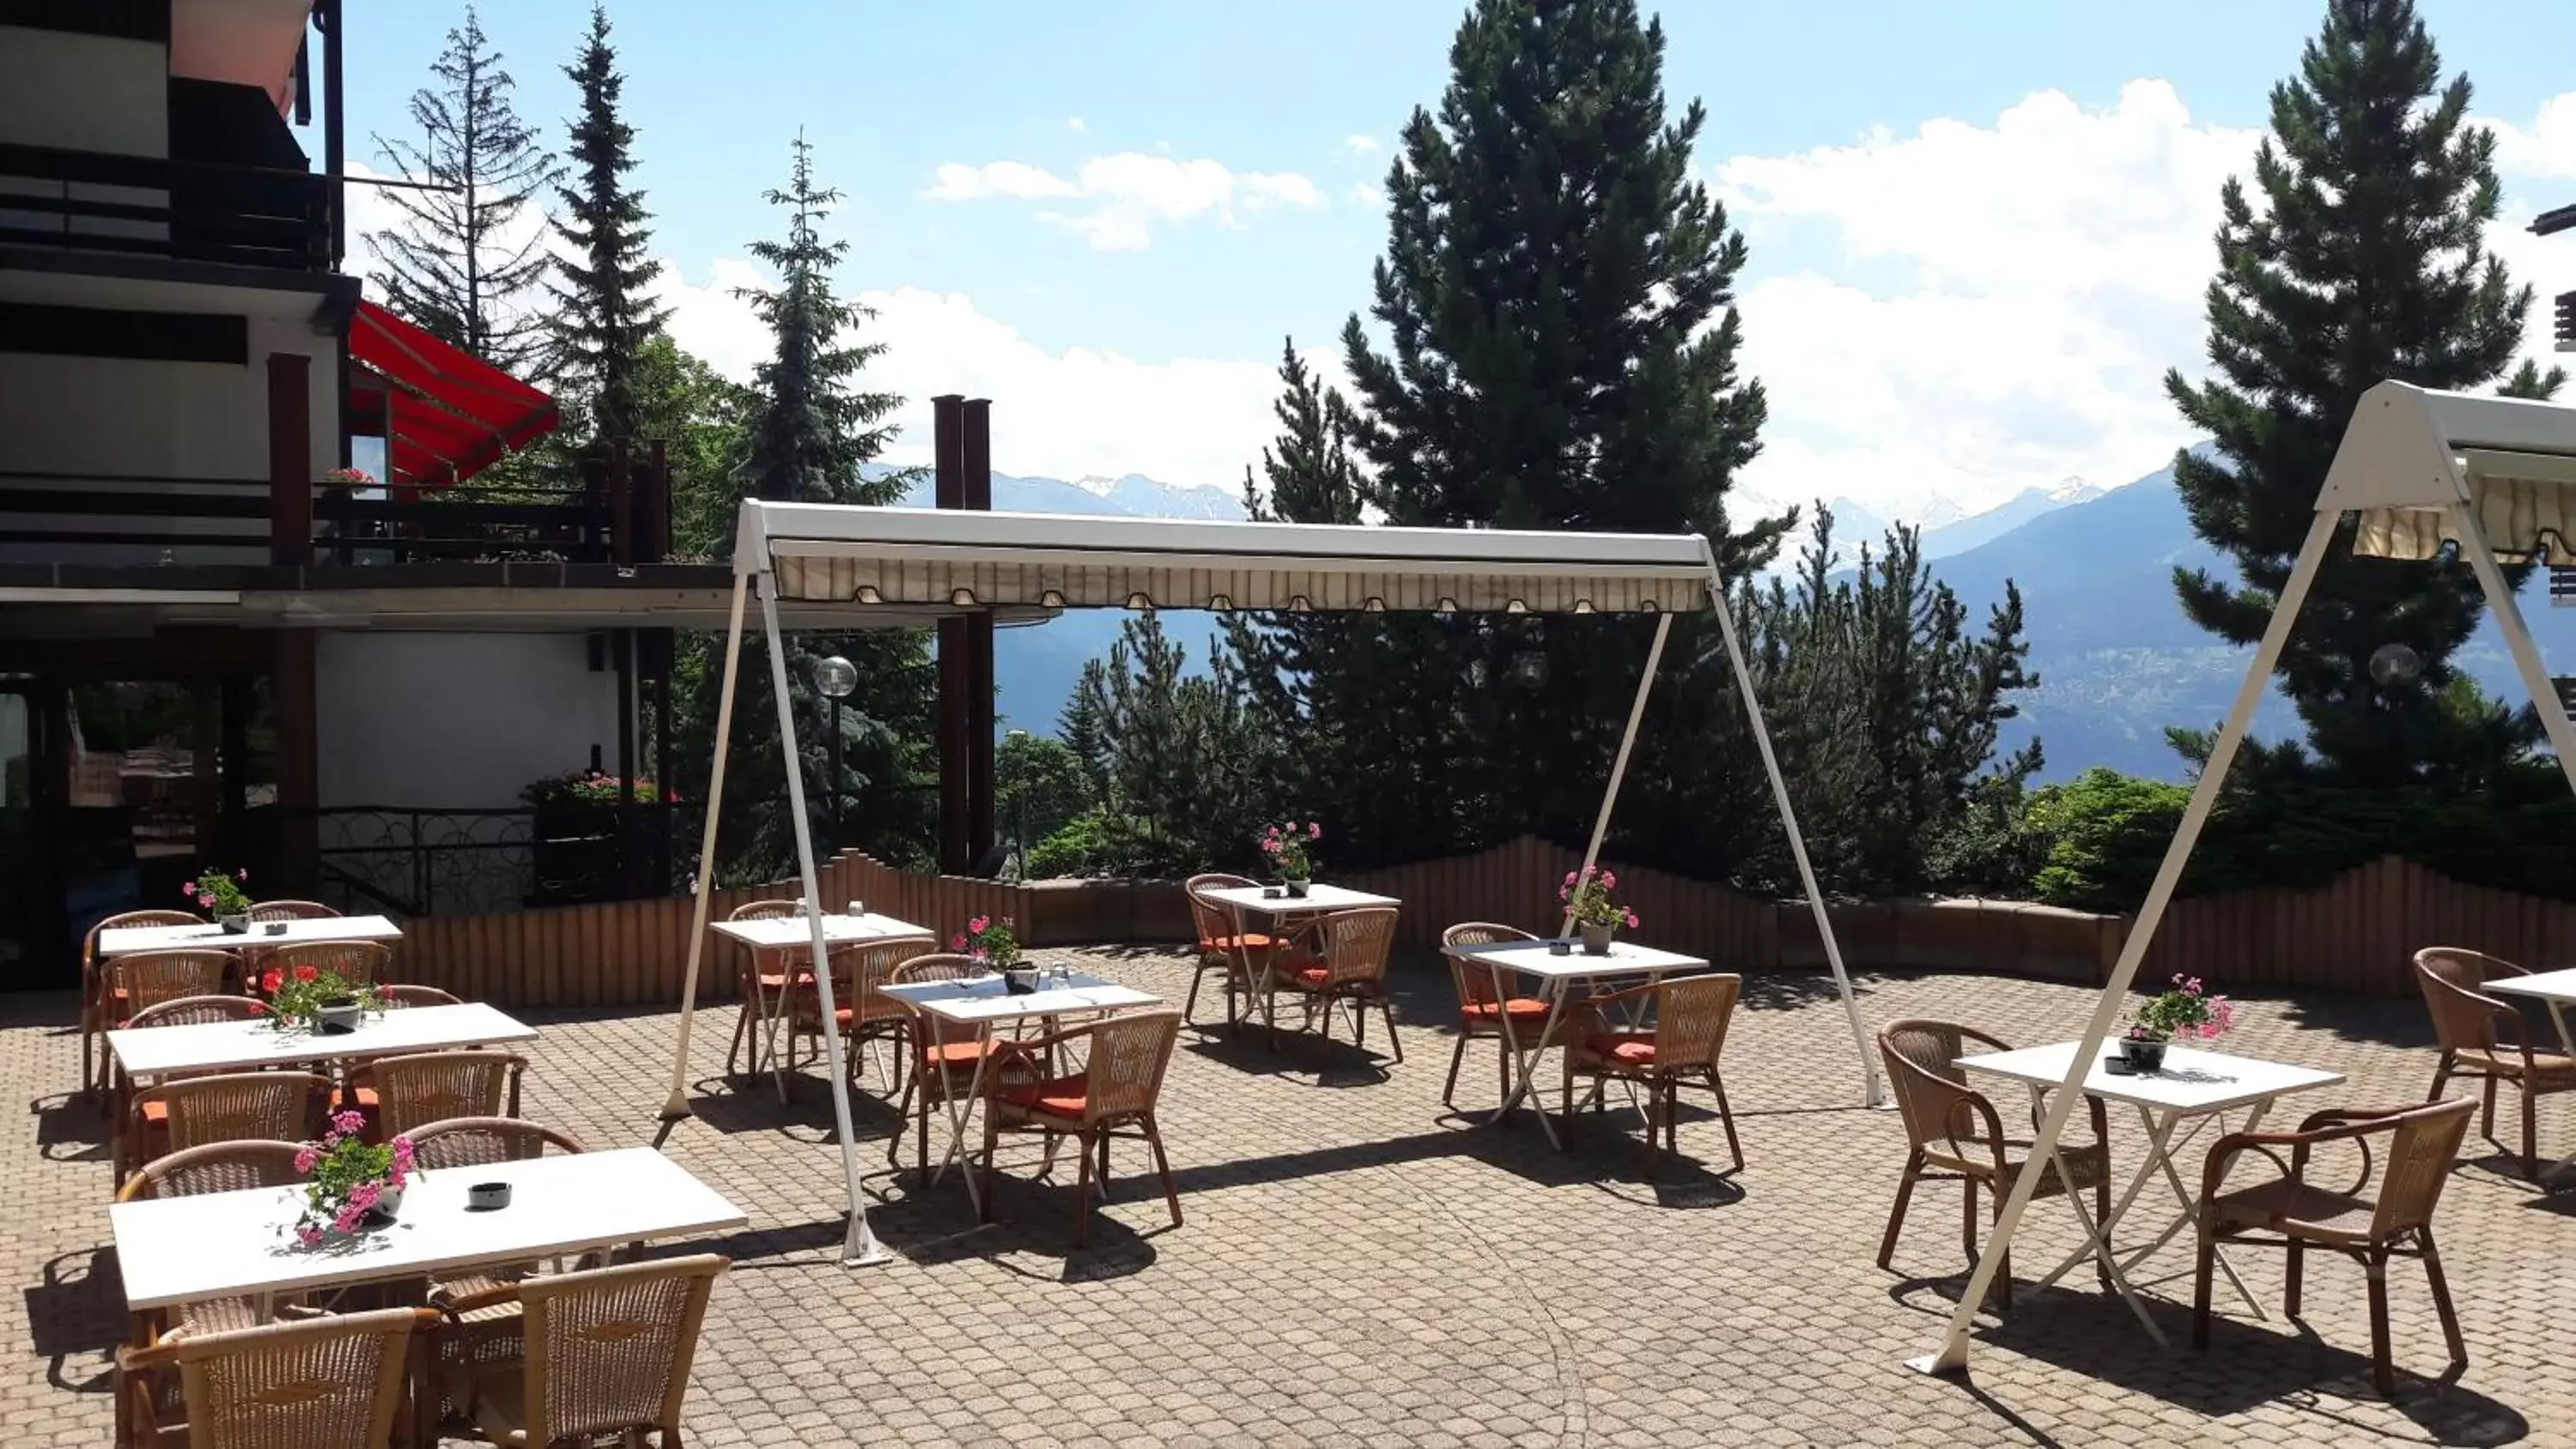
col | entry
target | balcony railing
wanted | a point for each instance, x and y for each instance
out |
(183, 210)
(387, 858)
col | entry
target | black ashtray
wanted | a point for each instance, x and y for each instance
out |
(1272, 893)
(275, 928)
(485, 1197)
(1560, 948)
(1017, 981)
(2119, 1066)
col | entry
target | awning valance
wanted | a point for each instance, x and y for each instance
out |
(905, 556)
(2411, 454)
(444, 413)
(2526, 503)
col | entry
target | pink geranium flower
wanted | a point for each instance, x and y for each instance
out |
(308, 1235)
(350, 1122)
(306, 1156)
(978, 926)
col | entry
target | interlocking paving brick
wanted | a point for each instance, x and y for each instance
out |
(1362, 1266)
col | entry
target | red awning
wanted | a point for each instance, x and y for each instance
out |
(444, 413)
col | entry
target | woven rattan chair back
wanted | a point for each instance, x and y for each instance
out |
(1932, 1092)
(2423, 1143)
(609, 1350)
(1691, 1017)
(482, 1141)
(1129, 1054)
(2454, 982)
(1354, 944)
(198, 1010)
(127, 920)
(414, 1091)
(939, 966)
(149, 978)
(401, 996)
(360, 963)
(1215, 920)
(1476, 983)
(761, 911)
(266, 911)
(326, 1383)
(241, 1107)
(215, 1167)
(861, 969)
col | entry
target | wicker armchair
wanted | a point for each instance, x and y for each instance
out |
(196, 1011)
(860, 1008)
(401, 1094)
(607, 1354)
(943, 1073)
(1691, 1015)
(145, 979)
(762, 978)
(397, 997)
(491, 1331)
(97, 1008)
(1121, 1079)
(1225, 947)
(360, 963)
(2484, 1037)
(215, 1167)
(1953, 1132)
(1480, 1009)
(334, 1382)
(1350, 949)
(2290, 1213)
(267, 911)
(227, 1107)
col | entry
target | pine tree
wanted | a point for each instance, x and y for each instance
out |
(462, 259)
(2364, 260)
(1558, 296)
(605, 270)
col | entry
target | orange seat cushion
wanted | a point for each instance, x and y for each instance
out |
(1629, 1048)
(156, 1113)
(364, 1098)
(954, 1053)
(1228, 945)
(1056, 1096)
(1522, 1009)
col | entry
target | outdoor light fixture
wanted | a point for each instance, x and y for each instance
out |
(1529, 669)
(2395, 664)
(836, 677)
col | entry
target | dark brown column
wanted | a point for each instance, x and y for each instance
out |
(956, 681)
(290, 458)
(977, 460)
(294, 693)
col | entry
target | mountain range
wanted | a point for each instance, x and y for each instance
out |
(2117, 661)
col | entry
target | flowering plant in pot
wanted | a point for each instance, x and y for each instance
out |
(1589, 896)
(2183, 1012)
(991, 944)
(350, 1180)
(309, 998)
(222, 897)
(1286, 846)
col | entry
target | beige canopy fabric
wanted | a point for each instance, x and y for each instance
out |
(910, 556)
(2523, 517)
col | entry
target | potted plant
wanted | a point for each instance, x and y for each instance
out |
(1286, 845)
(2183, 1011)
(992, 945)
(222, 897)
(352, 1181)
(308, 998)
(1587, 894)
(580, 850)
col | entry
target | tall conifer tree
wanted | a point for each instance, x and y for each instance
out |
(2360, 258)
(464, 258)
(604, 270)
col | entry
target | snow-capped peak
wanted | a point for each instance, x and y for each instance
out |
(2075, 490)
(1097, 484)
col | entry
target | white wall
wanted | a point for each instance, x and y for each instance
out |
(456, 721)
(84, 93)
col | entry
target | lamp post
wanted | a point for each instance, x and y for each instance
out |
(1019, 816)
(835, 677)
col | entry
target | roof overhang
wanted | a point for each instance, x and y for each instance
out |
(909, 557)
(2410, 454)
(242, 42)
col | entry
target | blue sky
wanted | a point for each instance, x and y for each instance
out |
(1978, 229)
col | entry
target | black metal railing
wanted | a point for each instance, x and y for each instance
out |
(151, 206)
(421, 862)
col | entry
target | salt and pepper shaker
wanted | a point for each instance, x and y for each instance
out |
(858, 908)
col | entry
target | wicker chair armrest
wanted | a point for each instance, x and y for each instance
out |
(448, 1305)
(1629, 993)
(1984, 1110)
(2222, 1160)
(1039, 1046)
(2342, 1116)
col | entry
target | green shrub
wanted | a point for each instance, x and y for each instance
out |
(2101, 835)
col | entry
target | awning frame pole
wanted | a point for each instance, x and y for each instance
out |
(1953, 1355)
(2517, 637)
(677, 1105)
(859, 1246)
(1619, 764)
(1873, 1093)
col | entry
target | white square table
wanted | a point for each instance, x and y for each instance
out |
(209, 1046)
(2557, 991)
(241, 1244)
(1319, 899)
(128, 940)
(972, 1008)
(782, 934)
(2202, 1086)
(1557, 976)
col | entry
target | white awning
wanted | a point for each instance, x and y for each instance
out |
(915, 557)
(2411, 453)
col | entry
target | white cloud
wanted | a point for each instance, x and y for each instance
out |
(1366, 193)
(1361, 144)
(1129, 194)
(2545, 148)
(1074, 123)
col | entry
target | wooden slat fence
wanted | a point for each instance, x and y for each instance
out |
(2355, 934)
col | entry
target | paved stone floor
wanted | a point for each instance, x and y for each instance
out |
(1361, 1267)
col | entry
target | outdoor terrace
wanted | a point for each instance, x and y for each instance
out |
(1361, 1266)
